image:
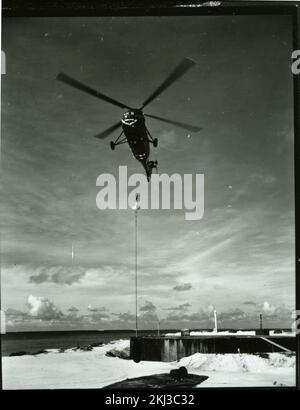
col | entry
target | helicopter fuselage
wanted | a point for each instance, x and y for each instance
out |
(134, 128)
(137, 136)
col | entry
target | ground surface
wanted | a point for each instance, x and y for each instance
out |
(93, 369)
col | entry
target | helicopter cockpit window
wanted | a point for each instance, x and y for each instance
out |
(129, 114)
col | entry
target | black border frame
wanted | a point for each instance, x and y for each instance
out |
(88, 8)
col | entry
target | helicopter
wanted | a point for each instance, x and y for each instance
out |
(134, 130)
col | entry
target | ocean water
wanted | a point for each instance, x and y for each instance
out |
(31, 342)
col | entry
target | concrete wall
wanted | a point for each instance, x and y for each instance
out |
(169, 349)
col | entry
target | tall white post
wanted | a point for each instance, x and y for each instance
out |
(216, 321)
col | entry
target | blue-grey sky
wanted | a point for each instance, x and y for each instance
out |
(239, 257)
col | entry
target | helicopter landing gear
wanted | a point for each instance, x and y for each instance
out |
(118, 141)
(153, 141)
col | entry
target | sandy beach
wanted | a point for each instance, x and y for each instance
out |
(93, 369)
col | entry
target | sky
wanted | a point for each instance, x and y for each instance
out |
(237, 259)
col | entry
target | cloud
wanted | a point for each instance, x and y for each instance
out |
(63, 275)
(15, 314)
(148, 317)
(183, 287)
(43, 314)
(125, 317)
(72, 314)
(232, 315)
(98, 313)
(181, 307)
(249, 303)
(43, 308)
(268, 308)
(193, 319)
(148, 307)
(73, 311)
(96, 316)
(148, 314)
(95, 309)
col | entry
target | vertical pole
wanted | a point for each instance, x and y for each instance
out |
(136, 284)
(216, 321)
(260, 321)
(158, 330)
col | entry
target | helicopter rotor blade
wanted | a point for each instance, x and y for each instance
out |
(188, 127)
(108, 131)
(76, 84)
(178, 72)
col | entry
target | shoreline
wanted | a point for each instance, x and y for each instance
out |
(39, 342)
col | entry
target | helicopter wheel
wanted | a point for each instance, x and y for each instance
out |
(112, 145)
(155, 142)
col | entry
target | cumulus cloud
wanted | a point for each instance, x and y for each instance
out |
(43, 308)
(96, 309)
(182, 307)
(268, 309)
(43, 314)
(15, 314)
(195, 319)
(148, 318)
(73, 309)
(63, 275)
(182, 287)
(73, 312)
(125, 317)
(98, 313)
(148, 313)
(96, 316)
(232, 315)
(148, 307)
